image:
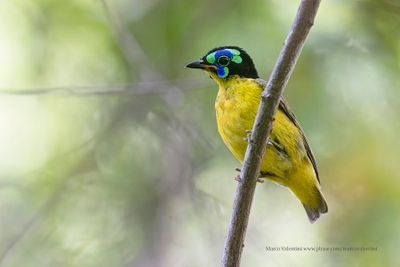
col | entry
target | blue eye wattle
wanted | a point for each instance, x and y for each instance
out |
(222, 72)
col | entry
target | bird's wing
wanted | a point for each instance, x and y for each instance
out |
(283, 105)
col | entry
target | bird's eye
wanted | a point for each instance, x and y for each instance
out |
(223, 61)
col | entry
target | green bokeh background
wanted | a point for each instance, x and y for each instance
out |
(109, 152)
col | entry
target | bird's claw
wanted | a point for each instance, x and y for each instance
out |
(248, 136)
(238, 178)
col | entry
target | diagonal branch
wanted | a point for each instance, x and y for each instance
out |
(261, 129)
(129, 46)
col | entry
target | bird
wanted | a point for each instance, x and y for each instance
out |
(288, 159)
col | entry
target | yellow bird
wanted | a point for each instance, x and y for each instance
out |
(288, 159)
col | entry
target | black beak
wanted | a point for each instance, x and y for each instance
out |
(198, 64)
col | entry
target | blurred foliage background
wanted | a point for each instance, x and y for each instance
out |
(110, 154)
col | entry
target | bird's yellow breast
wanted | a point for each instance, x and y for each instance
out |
(236, 107)
(236, 110)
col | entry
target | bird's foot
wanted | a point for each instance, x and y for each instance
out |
(238, 169)
(260, 179)
(238, 178)
(248, 136)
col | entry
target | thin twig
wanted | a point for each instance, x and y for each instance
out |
(261, 129)
(132, 50)
(43, 210)
(142, 88)
(29, 224)
(130, 47)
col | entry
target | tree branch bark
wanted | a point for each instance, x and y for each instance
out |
(262, 127)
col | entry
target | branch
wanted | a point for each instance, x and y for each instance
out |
(261, 129)
(141, 88)
(133, 52)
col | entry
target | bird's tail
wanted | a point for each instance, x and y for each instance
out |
(307, 190)
(316, 207)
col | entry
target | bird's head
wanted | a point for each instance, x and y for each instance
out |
(225, 62)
